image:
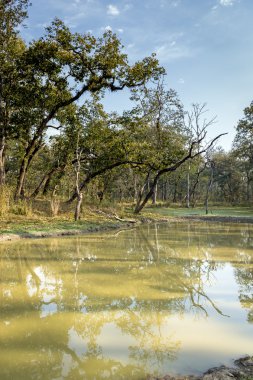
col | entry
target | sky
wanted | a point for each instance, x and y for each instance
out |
(206, 47)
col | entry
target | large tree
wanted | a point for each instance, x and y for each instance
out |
(12, 14)
(60, 68)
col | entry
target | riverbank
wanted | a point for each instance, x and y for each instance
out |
(15, 227)
(242, 370)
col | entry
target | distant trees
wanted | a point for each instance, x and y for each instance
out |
(173, 141)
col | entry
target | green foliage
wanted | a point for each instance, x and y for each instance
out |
(50, 75)
(243, 142)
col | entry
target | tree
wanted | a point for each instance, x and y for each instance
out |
(173, 141)
(12, 14)
(159, 133)
(77, 166)
(60, 68)
(243, 147)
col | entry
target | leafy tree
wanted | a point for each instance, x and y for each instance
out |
(243, 147)
(60, 68)
(12, 14)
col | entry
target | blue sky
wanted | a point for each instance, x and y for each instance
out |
(206, 46)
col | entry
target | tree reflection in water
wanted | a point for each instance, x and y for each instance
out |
(101, 305)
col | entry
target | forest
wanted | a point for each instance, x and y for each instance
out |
(58, 144)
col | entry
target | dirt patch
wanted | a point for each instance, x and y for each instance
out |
(9, 237)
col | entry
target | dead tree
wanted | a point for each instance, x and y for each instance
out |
(79, 193)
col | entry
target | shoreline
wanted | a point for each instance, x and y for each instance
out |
(54, 234)
(106, 225)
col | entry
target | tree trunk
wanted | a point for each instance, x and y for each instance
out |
(140, 194)
(208, 190)
(188, 187)
(154, 196)
(46, 180)
(78, 206)
(193, 196)
(2, 136)
(175, 193)
(19, 193)
(248, 187)
(150, 193)
(40, 185)
(30, 153)
(135, 189)
(2, 161)
(165, 197)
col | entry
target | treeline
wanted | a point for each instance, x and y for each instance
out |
(56, 140)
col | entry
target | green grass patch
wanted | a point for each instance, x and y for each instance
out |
(199, 211)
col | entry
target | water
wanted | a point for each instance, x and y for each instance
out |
(157, 299)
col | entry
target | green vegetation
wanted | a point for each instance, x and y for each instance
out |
(38, 221)
(58, 145)
(47, 227)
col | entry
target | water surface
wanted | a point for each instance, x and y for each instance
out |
(156, 299)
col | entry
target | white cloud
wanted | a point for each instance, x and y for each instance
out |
(120, 30)
(168, 52)
(181, 81)
(226, 3)
(112, 10)
(108, 28)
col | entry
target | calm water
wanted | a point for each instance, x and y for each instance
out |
(156, 299)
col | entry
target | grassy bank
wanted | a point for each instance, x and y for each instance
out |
(35, 225)
(37, 220)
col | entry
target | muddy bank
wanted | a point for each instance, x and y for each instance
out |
(242, 370)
